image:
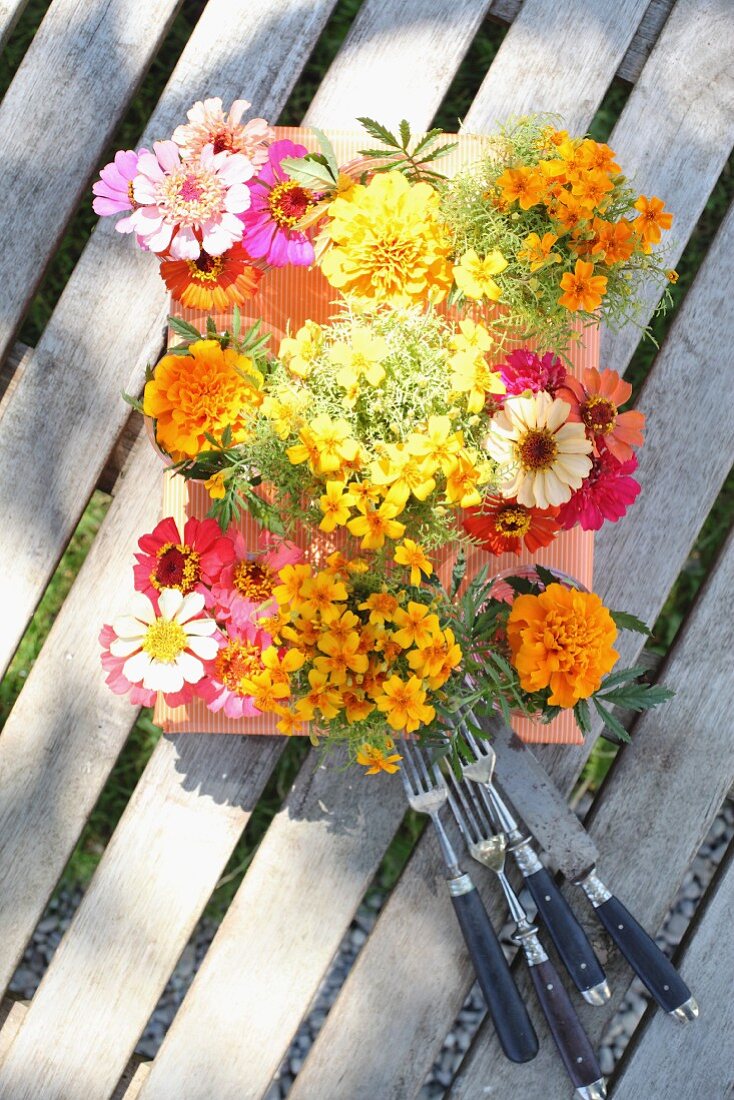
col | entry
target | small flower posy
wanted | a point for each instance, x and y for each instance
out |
(435, 408)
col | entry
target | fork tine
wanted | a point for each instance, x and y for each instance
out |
(410, 770)
(473, 826)
(479, 799)
(423, 767)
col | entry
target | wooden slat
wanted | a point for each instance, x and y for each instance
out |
(57, 429)
(663, 1059)
(676, 135)
(11, 372)
(97, 51)
(175, 836)
(657, 807)
(647, 537)
(556, 58)
(66, 728)
(429, 38)
(83, 1023)
(639, 48)
(284, 926)
(12, 1014)
(10, 13)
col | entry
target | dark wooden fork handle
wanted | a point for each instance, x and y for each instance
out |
(569, 1036)
(506, 1007)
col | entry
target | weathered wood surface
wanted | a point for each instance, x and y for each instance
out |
(158, 871)
(425, 40)
(77, 368)
(664, 1058)
(11, 371)
(283, 928)
(658, 804)
(639, 48)
(10, 13)
(678, 133)
(97, 51)
(538, 66)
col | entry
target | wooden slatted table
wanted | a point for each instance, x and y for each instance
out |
(196, 794)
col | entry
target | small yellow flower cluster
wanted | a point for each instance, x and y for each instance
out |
(375, 438)
(353, 651)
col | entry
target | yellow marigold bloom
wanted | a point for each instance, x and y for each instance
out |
(322, 697)
(381, 606)
(299, 352)
(282, 667)
(361, 358)
(202, 392)
(522, 185)
(215, 485)
(591, 189)
(284, 409)
(582, 288)
(651, 219)
(292, 578)
(357, 708)
(267, 694)
(376, 760)
(571, 153)
(568, 210)
(404, 703)
(462, 483)
(596, 155)
(305, 451)
(319, 594)
(344, 626)
(672, 276)
(438, 445)
(404, 473)
(471, 337)
(332, 439)
(430, 661)
(289, 723)
(342, 657)
(365, 493)
(417, 625)
(336, 504)
(613, 242)
(410, 554)
(377, 524)
(473, 375)
(387, 242)
(561, 639)
(473, 276)
(539, 250)
(451, 660)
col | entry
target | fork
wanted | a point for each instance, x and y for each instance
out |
(572, 1042)
(569, 938)
(427, 793)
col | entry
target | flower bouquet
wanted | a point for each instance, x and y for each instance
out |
(363, 467)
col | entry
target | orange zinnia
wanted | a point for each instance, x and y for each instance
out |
(212, 282)
(651, 218)
(561, 639)
(501, 526)
(595, 403)
(200, 393)
(583, 289)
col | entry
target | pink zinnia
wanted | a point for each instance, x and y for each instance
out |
(114, 188)
(523, 370)
(113, 666)
(239, 657)
(191, 564)
(278, 204)
(596, 402)
(208, 125)
(244, 590)
(187, 205)
(606, 493)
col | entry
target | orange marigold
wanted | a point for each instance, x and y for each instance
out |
(582, 288)
(212, 282)
(561, 639)
(204, 391)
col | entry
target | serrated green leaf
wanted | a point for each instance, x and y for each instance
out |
(625, 621)
(458, 572)
(583, 716)
(622, 676)
(183, 328)
(135, 402)
(211, 328)
(436, 154)
(637, 696)
(308, 172)
(428, 139)
(328, 151)
(545, 576)
(611, 722)
(404, 129)
(379, 132)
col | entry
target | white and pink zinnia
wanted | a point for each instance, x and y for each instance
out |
(183, 206)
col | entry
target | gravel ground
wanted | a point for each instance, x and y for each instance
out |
(61, 909)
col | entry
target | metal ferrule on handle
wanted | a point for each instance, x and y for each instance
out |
(651, 966)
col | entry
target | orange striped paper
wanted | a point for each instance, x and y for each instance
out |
(286, 298)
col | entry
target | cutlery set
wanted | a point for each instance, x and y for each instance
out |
(490, 831)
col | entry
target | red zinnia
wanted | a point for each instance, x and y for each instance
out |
(523, 370)
(212, 282)
(190, 564)
(501, 526)
(606, 493)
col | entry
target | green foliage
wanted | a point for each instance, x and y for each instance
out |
(397, 155)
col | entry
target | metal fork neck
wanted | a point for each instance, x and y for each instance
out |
(453, 870)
